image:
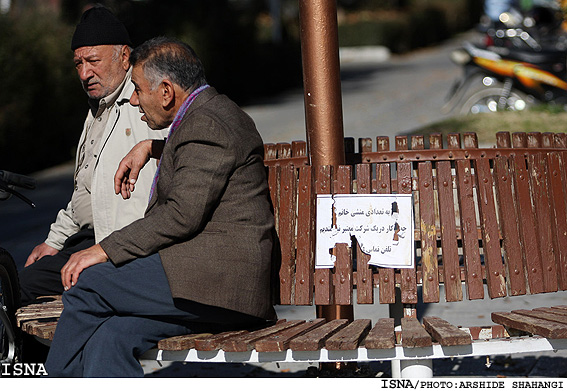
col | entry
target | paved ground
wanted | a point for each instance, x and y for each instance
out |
(382, 95)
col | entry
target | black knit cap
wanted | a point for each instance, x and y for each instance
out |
(99, 26)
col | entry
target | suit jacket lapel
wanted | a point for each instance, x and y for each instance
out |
(201, 99)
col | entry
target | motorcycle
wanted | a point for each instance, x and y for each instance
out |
(539, 28)
(512, 75)
(10, 348)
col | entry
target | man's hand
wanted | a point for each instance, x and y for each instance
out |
(130, 166)
(79, 262)
(40, 251)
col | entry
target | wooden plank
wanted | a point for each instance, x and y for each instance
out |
(39, 311)
(409, 278)
(519, 140)
(38, 315)
(343, 274)
(364, 282)
(180, 342)
(213, 342)
(527, 220)
(382, 335)
(342, 278)
(445, 333)
(298, 148)
(417, 142)
(323, 282)
(41, 329)
(513, 254)
(37, 307)
(365, 144)
(284, 150)
(305, 260)
(245, 342)
(534, 139)
(382, 143)
(557, 181)
(552, 310)
(531, 325)
(435, 141)
(350, 336)
(490, 235)
(286, 232)
(540, 199)
(543, 315)
(280, 341)
(452, 273)
(274, 173)
(270, 151)
(471, 253)
(470, 140)
(315, 339)
(453, 141)
(386, 276)
(503, 140)
(560, 140)
(428, 233)
(414, 335)
(547, 140)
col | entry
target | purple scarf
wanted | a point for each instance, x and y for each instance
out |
(174, 125)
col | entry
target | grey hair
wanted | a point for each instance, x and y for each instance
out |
(116, 52)
(165, 58)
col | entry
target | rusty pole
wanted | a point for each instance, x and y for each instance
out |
(322, 83)
(323, 102)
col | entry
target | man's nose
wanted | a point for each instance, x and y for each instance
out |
(134, 99)
(85, 72)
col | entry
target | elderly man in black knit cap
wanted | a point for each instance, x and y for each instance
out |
(101, 47)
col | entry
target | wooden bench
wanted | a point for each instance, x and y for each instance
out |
(489, 221)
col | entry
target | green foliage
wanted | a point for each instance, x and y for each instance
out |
(409, 27)
(42, 106)
(389, 32)
(543, 118)
(39, 118)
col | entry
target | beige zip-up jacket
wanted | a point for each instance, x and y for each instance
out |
(123, 130)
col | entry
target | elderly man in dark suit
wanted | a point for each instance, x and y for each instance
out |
(201, 256)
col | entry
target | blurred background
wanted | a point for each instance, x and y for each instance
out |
(250, 49)
(397, 70)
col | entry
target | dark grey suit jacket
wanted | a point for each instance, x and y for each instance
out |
(210, 216)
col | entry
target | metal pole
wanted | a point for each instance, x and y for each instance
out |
(322, 83)
(323, 106)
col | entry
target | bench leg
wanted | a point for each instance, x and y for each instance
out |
(412, 368)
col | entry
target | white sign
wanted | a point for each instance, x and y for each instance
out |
(383, 225)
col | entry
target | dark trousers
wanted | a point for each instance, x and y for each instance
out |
(114, 314)
(43, 277)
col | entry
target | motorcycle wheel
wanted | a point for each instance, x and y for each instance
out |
(9, 302)
(486, 100)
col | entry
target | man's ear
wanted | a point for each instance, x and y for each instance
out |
(167, 93)
(125, 57)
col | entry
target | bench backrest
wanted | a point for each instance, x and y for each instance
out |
(484, 216)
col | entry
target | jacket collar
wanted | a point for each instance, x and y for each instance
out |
(201, 99)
